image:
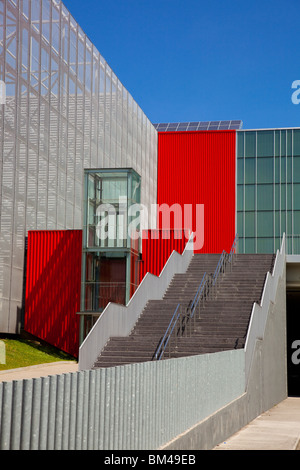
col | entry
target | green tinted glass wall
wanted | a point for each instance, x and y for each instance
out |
(268, 190)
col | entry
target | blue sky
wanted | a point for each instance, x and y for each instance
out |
(200, 61)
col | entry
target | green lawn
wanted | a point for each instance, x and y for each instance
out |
(26, 352)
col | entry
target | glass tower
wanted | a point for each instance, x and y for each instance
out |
(111, 241)
(268, 190)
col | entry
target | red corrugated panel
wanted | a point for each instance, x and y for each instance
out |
(199, 168)
(157, 246)
(53, 287)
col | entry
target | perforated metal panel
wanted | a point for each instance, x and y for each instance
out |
(65, 110)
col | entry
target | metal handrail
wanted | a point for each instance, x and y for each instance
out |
(163, 343)
(224, 259)
(220, 264)
(207, 281)
(166, 338)
(197, 293)
(233, 248)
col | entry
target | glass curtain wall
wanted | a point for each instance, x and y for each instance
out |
(268, 190)
(109, 199)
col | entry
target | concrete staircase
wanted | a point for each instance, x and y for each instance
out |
(223, 321)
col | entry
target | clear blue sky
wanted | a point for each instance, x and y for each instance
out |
(194, 60)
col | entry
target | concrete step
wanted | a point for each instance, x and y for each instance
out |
(223, 321)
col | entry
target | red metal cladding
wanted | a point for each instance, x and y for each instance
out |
(157, 246)
(53, 287)
(196, 170)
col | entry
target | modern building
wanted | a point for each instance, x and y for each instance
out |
(65, 112)
(78, 156)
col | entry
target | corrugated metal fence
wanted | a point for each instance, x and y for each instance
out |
(53, 283)
(139, 406)
(157, 246)
(199, 168)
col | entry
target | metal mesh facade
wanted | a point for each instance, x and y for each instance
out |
(65, 111)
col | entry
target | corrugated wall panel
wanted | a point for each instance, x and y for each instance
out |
(53, 287)
(157, 246)
(199, 168)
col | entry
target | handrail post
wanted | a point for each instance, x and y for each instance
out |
(176, 336)
(181, 320)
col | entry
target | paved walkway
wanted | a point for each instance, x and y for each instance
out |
(276, 429)
(41, 370)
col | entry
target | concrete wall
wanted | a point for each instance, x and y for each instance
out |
(265, 387)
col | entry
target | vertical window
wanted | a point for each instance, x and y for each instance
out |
(240, 224)
(277, 143)
(265, 245)
(296, 222)
(250, 224)
(296, 169)
(240, 170)
(250, 144)
(265, 170)
(240, 144)
(249, 244)
(296, 146)
(250, 170)
(265, 197)
(265, 224)
(240, 197)
(283, 143)
(265, 144)
(250, 197)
